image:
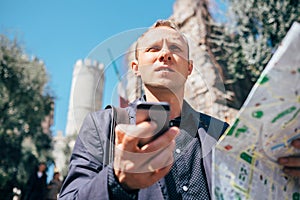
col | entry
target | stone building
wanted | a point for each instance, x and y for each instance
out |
(86, 93)
(85, 96)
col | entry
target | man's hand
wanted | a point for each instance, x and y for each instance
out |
(139, 167)
(291, 164)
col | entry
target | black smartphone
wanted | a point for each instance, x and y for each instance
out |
(159, 112)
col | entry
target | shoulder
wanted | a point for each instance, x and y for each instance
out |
(213, 126)
(94, 134)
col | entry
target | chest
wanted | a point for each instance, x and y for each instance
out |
(187, 178)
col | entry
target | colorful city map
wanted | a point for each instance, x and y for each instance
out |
(245, 160)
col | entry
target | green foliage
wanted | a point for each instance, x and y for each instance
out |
(23, 106)
(244, 45)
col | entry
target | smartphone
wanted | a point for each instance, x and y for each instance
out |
(159, 112)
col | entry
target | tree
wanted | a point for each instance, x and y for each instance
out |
(244, 44)
(24, 103)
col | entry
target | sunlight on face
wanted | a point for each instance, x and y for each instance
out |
(163, 58)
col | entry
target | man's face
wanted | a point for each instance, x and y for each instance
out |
(42, 167)
(163, 59)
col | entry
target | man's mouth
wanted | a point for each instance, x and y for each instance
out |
(164, 69)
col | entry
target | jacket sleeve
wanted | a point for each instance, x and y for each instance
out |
(88, 176)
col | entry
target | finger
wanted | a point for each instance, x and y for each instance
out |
(136, 161)
(158, 159)
(296, 143)
(165, 170)
(156, 175)
(289, 161)
(123, 165)
(128, 134)
(159, 173)
(147, 162)
(162, 141)
(123, 139)
(292, 172)
(165, 158)
(143, 129)
(146, 128)
(119, 134)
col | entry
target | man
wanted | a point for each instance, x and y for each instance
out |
(54, 187)
(177, 164)
(36, 187)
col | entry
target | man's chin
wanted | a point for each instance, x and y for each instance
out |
(162, 86)
(158, 85)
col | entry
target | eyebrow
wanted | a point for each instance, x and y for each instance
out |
(174, 40)
(139, 41)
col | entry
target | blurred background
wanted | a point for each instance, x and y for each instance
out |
(60, 60)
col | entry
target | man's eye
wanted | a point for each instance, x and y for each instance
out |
(152, 49)
(175, 48)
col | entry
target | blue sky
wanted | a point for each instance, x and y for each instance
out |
(59, 32)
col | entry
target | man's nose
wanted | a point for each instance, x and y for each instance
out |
(165, 55)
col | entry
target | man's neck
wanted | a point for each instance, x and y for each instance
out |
(174, 99)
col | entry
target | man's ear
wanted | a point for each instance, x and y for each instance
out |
(190, 67)
(135, 67)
